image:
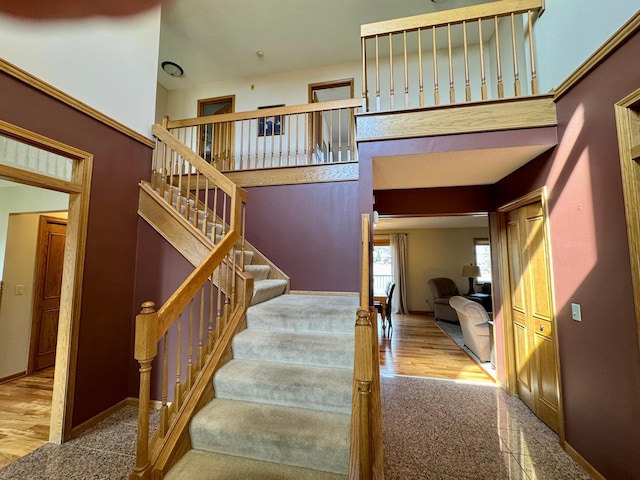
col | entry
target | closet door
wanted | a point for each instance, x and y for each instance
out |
(532, 313)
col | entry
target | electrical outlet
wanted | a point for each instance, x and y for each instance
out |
(19, 289)
(576, 314)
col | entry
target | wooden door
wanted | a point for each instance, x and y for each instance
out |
(532, 318)
(216, 140)
(52, 235)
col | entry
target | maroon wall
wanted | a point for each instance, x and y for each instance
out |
(120, 162)
(311, 232)
(600, 361)
(434, 201)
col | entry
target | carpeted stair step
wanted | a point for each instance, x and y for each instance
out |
(294, 436)
(248, 256)
(264, 290)
(320, 388)
(323, 350)
(258, 272)
(305, 313)
(201, 465)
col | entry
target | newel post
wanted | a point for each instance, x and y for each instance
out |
(364, 374)
(146, 349)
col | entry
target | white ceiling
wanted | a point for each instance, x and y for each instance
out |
(449, 169)
(216, 40)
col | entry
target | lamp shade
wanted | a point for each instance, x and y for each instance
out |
(471, 271)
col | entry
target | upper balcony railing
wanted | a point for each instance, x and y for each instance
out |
(482, 52)
(291, 136)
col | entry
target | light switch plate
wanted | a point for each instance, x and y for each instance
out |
(19, 289)
(576, 314)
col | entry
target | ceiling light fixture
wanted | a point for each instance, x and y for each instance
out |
(172, 69)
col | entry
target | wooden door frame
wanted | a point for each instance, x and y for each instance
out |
(627, 113)
(538, 195)
(78, 188)
(222, 99)
(38, 285)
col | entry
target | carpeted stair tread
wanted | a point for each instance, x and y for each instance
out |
(201, 465)
(264, 290)
(305, 313)
(293, 436)
(258, 272)
(324, 350)
(300, 386)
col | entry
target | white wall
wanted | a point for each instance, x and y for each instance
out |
(16, 310)
(287, 88)
(569, 31)
(437, 252)
(109, 64)
(22, 198)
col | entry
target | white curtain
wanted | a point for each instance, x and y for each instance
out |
(398, 243)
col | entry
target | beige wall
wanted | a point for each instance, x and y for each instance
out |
(437, 253)
(15, 310)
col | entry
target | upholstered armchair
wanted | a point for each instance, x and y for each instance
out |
(442, 289)
(475, 327)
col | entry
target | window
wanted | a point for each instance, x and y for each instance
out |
(382, 266)
(482, 254)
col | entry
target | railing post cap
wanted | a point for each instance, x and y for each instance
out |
(362, 317)
(148, 307)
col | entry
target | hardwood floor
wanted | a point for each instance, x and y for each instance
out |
(25, 412)
(418, 347)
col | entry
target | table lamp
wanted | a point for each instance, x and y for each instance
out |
(472, 272)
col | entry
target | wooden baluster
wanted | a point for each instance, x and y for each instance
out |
(339, 135)
(214, 219)
(316, 119)
(189, 378)
(297, 138)
(177, 399)
(250, 122)
(532, 53)
(436, 89)
(257, 139)
(498, 62)
(331, 146)
(242, 145)
(205, 218)
(483, 77)
(210, 333)
(391, 83)
(172, 159)
(514, 49)
(164, 389)
(282, 119)
(377, 75)
(187, 199)
(289, 117)
(201, 320)
(452, 89)
(365, 93)
(406, 71)
(420, 79)
(196, 201)
(273, 140)
(467, 85)
(146, 349)
(242, 235)
(305, 140)
(180, 196)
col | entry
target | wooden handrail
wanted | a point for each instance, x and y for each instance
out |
(266, 112)
(198, 162)
(366, 274)
(453, 16)
(177, 171)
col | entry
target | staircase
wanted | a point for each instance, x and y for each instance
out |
(196, 239)
(282, 406)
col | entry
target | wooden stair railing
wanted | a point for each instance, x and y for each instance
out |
(278, 137)
(482, 50)
(192, 331)
(366, 451)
